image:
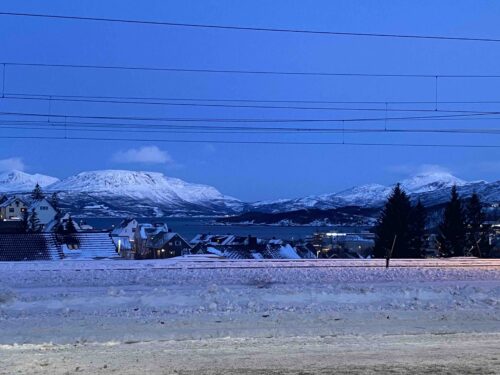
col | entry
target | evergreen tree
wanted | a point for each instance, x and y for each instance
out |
(25, 225)
(70, 226)
(61, 229)
(418, 217)
(394, 224)
(33, 222)
(54, 201)
(477, 233)
(452, 230)
(37, 193)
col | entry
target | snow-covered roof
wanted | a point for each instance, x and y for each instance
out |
(161, 238)
(88, 245)
(40, 202)
(11, 200)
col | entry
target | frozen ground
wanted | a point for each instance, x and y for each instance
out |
(250, 317)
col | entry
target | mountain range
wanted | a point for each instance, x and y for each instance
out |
(121, 193)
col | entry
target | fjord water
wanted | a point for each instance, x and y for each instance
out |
(189, 227)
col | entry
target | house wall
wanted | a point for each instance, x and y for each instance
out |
(128, 230)
(13, 211)
(174, 247)
(46, 213)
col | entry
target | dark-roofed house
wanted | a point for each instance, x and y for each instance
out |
(29, 247)
(88, 245)
(168, 245)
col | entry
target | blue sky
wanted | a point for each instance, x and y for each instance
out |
(252, 172)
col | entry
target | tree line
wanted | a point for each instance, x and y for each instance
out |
(401, 230)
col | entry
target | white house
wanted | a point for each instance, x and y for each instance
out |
(123, 237)
(45, 211)
(12, 208)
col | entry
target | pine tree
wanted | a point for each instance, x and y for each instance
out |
(33, 222)
(37, 193)
(477, 232)
(54, 201)
(25, 225)
(452, 230)
(394, 224)
(70, 226)
(418, 217)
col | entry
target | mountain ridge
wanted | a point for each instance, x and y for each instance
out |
(141, 193)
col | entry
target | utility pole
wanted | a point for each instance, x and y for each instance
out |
(389, 253)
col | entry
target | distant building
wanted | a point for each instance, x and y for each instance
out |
(87, 245)
(341, 245)
(123, 235)
(243, 247)
(12, 208)
(167, 245)
(45, 211)
(157, 241)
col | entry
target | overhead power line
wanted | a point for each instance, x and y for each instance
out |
(253, 100)
(225, 105)
(255, 120)
(246, 71)
(253, 28)
(146, 128)
(254, 142)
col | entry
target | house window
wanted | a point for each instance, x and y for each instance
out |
(11, 209)
(44, 208)
(178, 243)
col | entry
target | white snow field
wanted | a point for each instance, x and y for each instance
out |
(211, 316)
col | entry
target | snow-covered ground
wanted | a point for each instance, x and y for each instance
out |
(250, 316)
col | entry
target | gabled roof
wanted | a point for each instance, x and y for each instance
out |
(29, 246)
(38, 202)
(214, 239)
(163, 237)
(11, 200)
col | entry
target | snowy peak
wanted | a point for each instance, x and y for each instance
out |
(17, 181)
(423, 183)
(150, 192)
(370, 195)
(136, 183)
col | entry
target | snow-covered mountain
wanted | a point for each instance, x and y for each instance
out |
(426, 182)
(118, 192)
(432, 188)
(17, 181)
(123, 193)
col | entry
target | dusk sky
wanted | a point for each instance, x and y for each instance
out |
(251, 171)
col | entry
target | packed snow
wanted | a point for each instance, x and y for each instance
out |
(88, 316)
